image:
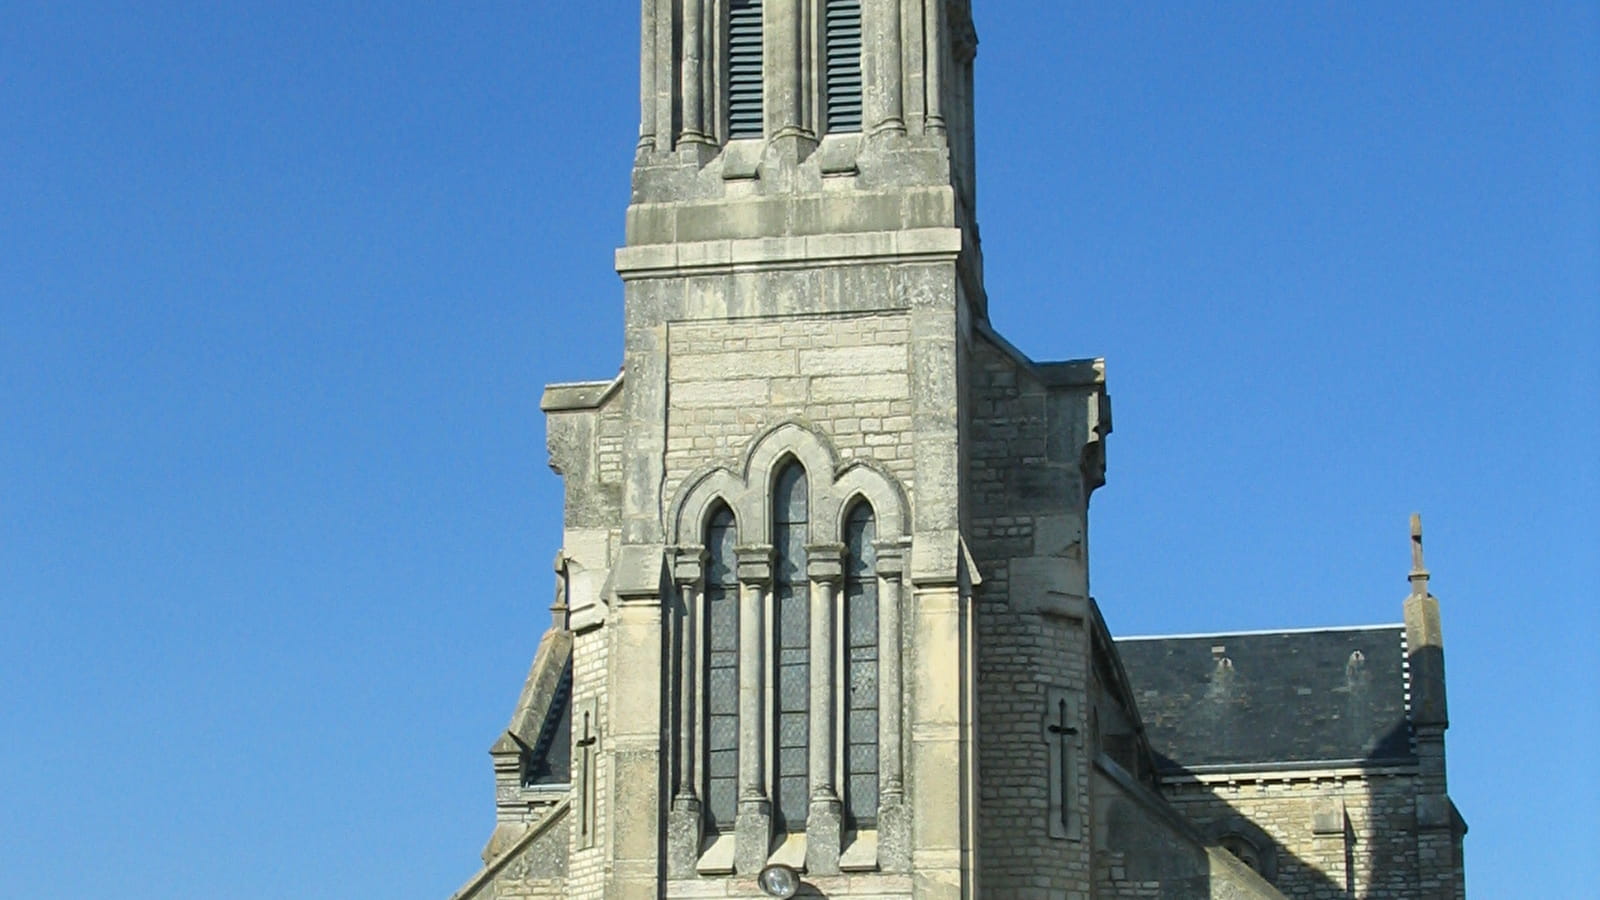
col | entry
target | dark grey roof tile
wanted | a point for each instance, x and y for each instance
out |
(1272, 698)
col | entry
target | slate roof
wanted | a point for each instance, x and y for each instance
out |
(1262, 700)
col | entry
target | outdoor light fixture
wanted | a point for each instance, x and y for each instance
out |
(779, 880)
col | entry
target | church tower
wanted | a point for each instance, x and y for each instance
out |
(823, 606)
(779, 514)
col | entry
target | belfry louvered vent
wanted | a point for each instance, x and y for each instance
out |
(843, 50)
(744, 69)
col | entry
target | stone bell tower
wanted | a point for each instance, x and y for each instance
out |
(823, 598)
(780, 517)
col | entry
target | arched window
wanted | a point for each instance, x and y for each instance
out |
(745, 110)
(1244, 849)
(842, 54)
(861, 668)
(721, 642)
(791, 603)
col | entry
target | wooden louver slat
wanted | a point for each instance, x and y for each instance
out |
(842, 57)
(745, 112)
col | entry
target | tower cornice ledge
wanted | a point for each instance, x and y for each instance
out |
(755, 254)
(575, 395)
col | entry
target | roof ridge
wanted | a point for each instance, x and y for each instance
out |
(1263, 631)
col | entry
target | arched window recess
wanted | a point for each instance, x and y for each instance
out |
(720, 639)
(791, 630)
(789, 562)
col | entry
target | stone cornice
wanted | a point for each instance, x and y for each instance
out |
(1334, 770)
(755, 254)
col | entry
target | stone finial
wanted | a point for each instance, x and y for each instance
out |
(1419, 572)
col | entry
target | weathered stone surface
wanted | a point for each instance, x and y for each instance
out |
(533, 866)
(816, 299)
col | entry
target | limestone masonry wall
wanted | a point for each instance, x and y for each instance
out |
(846, 373)
(586, 866)
(608, 444)
(1334, 836)
(534, 870)
(1024, 651)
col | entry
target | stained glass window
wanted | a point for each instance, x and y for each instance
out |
(791, 592)
(722, 672)
(861, 669)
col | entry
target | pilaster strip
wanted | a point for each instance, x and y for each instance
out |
(934, 34)
(693, 131)
(885, 67)
(647, 75)
(891, 570)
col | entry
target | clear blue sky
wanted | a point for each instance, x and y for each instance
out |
(280, 283)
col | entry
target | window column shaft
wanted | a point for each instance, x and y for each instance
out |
(823, 735)
(752, 691)
(753, 827)
(689, 667)
(889, 573)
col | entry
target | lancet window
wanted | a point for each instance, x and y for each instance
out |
(788, 716)
(861, 668)
(791, 601)
(721, 643)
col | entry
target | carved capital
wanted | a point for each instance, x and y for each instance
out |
(891, 556)
(755, 563)
(688, 564)
(825, 562)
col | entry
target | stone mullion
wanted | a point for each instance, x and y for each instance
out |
(825, 567)
(753, 823)
(894, 838)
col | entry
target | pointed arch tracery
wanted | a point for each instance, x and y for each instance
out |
(791, 535)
